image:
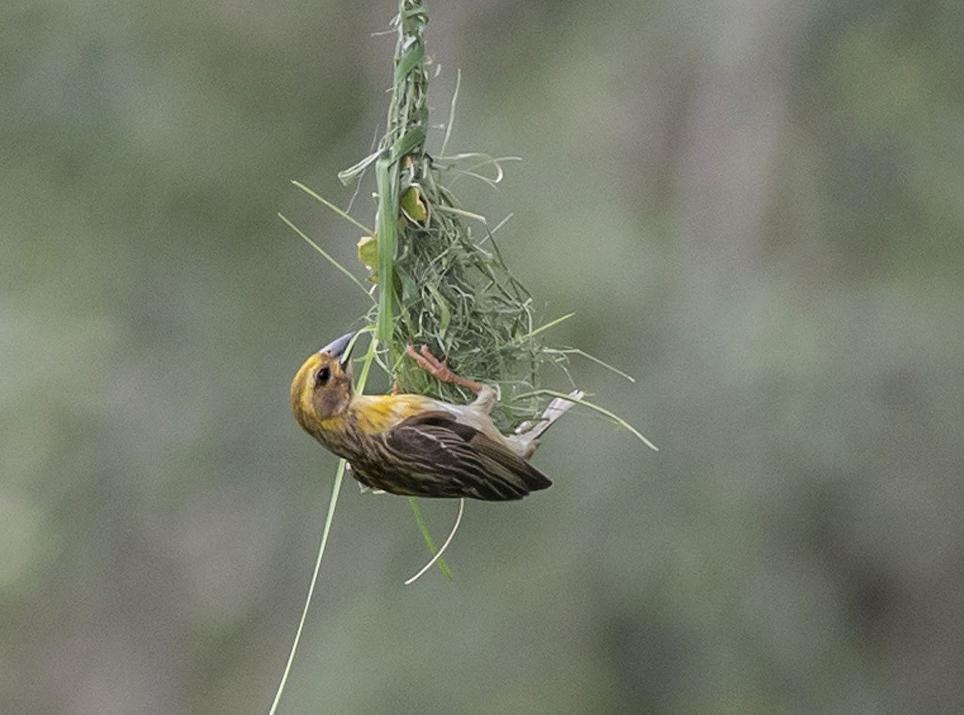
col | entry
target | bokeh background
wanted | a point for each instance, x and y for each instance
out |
(754, 207)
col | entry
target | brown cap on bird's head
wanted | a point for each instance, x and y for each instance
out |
(322, 386)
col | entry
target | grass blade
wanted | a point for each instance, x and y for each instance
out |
(546, 326)
(591, 358)
(451, 121)
(344, 214)
(327, 256)
(335, 489)
(332, 502)
(427, 536)
(613, 417)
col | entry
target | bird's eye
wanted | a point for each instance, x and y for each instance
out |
(324, 374)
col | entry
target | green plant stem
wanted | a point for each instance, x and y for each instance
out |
(427, 536)
(329, 517)
(612, 416)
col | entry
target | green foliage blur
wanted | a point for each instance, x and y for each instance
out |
(755, 208)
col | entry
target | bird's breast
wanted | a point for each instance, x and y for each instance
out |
(374, 414)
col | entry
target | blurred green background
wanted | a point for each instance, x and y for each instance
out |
(755, 208)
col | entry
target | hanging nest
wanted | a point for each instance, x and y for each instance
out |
(442, 280)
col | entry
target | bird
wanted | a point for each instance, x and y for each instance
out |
(415, 445)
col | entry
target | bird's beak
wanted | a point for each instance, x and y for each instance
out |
(340, 349)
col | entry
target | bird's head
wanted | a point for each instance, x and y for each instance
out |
(322, 386)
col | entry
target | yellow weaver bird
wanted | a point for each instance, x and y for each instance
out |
(413, 444)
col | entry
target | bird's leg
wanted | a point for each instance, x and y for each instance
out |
(362, 487)
(485, 395)
(485, 399)
(439, 369)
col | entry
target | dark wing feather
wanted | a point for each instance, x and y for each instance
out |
(436, 456)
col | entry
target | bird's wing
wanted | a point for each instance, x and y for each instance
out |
(445, 458)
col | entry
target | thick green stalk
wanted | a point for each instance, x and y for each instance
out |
(407, 127)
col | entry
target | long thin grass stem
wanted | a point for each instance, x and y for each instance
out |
(335, 489)
(344, 214)
(327, 256)
(448, 540)
(427, 537)
(613, 417)
(332, 503)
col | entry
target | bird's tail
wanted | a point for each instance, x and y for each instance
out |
(527, 435)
